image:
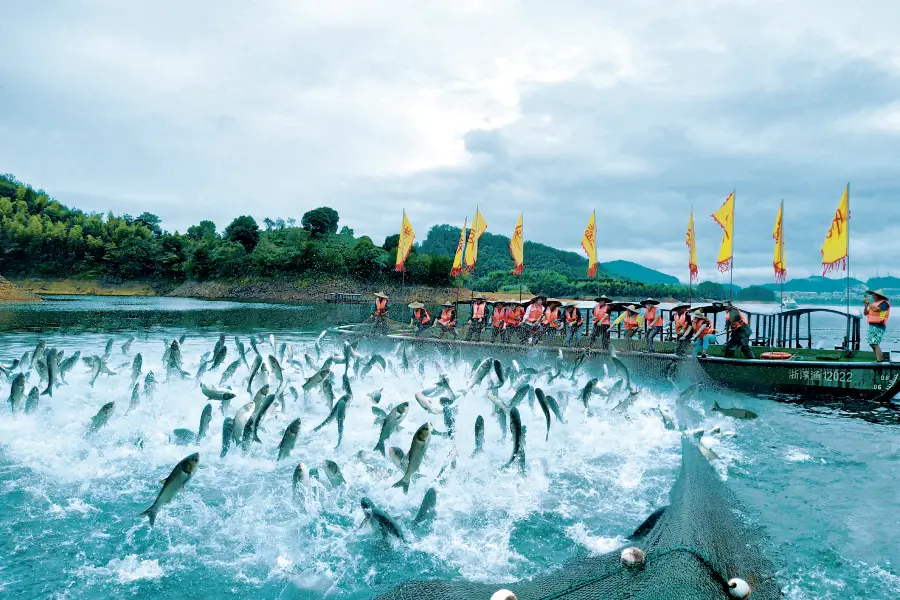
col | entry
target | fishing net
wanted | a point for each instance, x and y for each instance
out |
(701, 541)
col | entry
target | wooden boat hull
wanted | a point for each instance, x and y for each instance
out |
(872, 381)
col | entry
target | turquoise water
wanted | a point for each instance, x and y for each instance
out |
(822, 481)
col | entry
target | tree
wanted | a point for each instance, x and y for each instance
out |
(244, 231)
(321, 220)
(269, 223)
(151, 222)
(756, 293)
(391, 242)
(710, 290)
(201, 231)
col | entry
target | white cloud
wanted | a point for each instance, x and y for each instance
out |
(639, 110)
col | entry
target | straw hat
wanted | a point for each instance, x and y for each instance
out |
(570, 304)
(536, 298)
(632, 308)
(447, 303)
(699, 314)
(553, 301)
(478, 297)
(381, 295)
(416, 305)
(650, 301)
(602, 298)
(879, 293)
(682, 305)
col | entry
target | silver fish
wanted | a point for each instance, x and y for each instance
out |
(480, 372)
(66, 365)
(135, 398)
(333, 473)
(219, 358)
(289, 439)
(205, 418)
(391, 422)
(182, 437)
(275, 367)
(52, 372)
(99, 420)
(515, 422)
(338, 412)
(149, 384)
(204, 364)
(316, 379)
(242, 351)
(375, 396)
(108, 350)
(241, 417)
(227, 435)
(301, 476)
(216, 393)
(31, 403)
(427, 508)
(734, 412)
(668, 421)
(17, 393)
(226, 375)
(380, 520)
(180, 475)
(416, 454)
(398, 457)
(258, 415)
(257, 363)
(623, 371)
(136, 365)
(479, 435)
(542, 400)
(127, 345)
(426, 404)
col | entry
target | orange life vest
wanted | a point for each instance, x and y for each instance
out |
(499, 317)
(514, 316)
(876, 315)
(703, 327)
(534, 313)
(681, 322)
(630, 321)
(573, 316)
(551, 318)
(381, 308)
(421, 315)
(652, 318)
(448, 316)
(478, 310)
(737, 324)
(601, 314)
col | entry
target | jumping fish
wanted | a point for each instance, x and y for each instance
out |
(289, 439)
(479, 435)
(226, 375)
(427, 508)
(17, 393)
(375, 396)
(338, 412)
(391, 422)
(99, 420)
(227, 435)
(172, 484)
(416, 454)
(127, 345)
(380, 520)
(205, 418)
(31, 403)
(735, 413)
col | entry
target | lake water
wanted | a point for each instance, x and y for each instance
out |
(823, 482)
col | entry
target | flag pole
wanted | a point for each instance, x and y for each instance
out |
(522, 274)
(731, 270)
(848, 267)
(781, 233)
(474, 264)
(597, 271)
(403, 268)
(690, 258)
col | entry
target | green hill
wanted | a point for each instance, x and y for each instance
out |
(884, 283)
(815, 284)
(636, 272)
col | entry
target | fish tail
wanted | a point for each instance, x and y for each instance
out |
(379, 447)
(403, 483)
(150, 513)
(48, 391)
(716, 405)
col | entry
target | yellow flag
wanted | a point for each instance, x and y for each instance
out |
(458, 259)
(778, 236)
(691, 242)
(407, 236)
(589, 243)
(517, 248)
(836, 247)
(725, 218)
(478, 227)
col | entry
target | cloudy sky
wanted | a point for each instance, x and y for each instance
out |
(640, 110)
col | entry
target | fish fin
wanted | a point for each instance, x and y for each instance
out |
(403, 483)
(48, 391)
(716, 405)
(648, 524)
(380, 448)
(150, 514)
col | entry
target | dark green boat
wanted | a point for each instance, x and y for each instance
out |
(842, 372)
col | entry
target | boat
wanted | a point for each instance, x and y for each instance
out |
(789, 304)
(794, 365)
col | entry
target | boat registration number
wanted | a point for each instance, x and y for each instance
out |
(823, 375)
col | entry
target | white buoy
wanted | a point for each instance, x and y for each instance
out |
(503, 595)
(632, 557)
(739, 588)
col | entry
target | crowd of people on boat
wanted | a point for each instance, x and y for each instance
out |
(540, 318)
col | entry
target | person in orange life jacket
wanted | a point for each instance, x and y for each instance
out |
(515, 314)
(600, 316)
(447, 320)
(877, 312)
(380, 313)
(498, 320)
(551, 321)
(739, 333)
(533, 314)
(420, 318)
(653, 321)
(478, 319)
(631, 320)
(681, 319)
(703, 333)
(574, 321)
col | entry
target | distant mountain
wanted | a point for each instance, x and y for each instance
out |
(636, 272)
(884, 283)
(493, 255)
(815, 284)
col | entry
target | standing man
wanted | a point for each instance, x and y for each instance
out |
(420, 318)
(574, 321)
(380, 314)
(513, 330)
(550, 322)
(877, 312)
(477, 320)
(498, 320)
(447, 320)
(631, 320)
(601, 322)
(531, 325)
(682, 322)
(739, 332)
(653, 322)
